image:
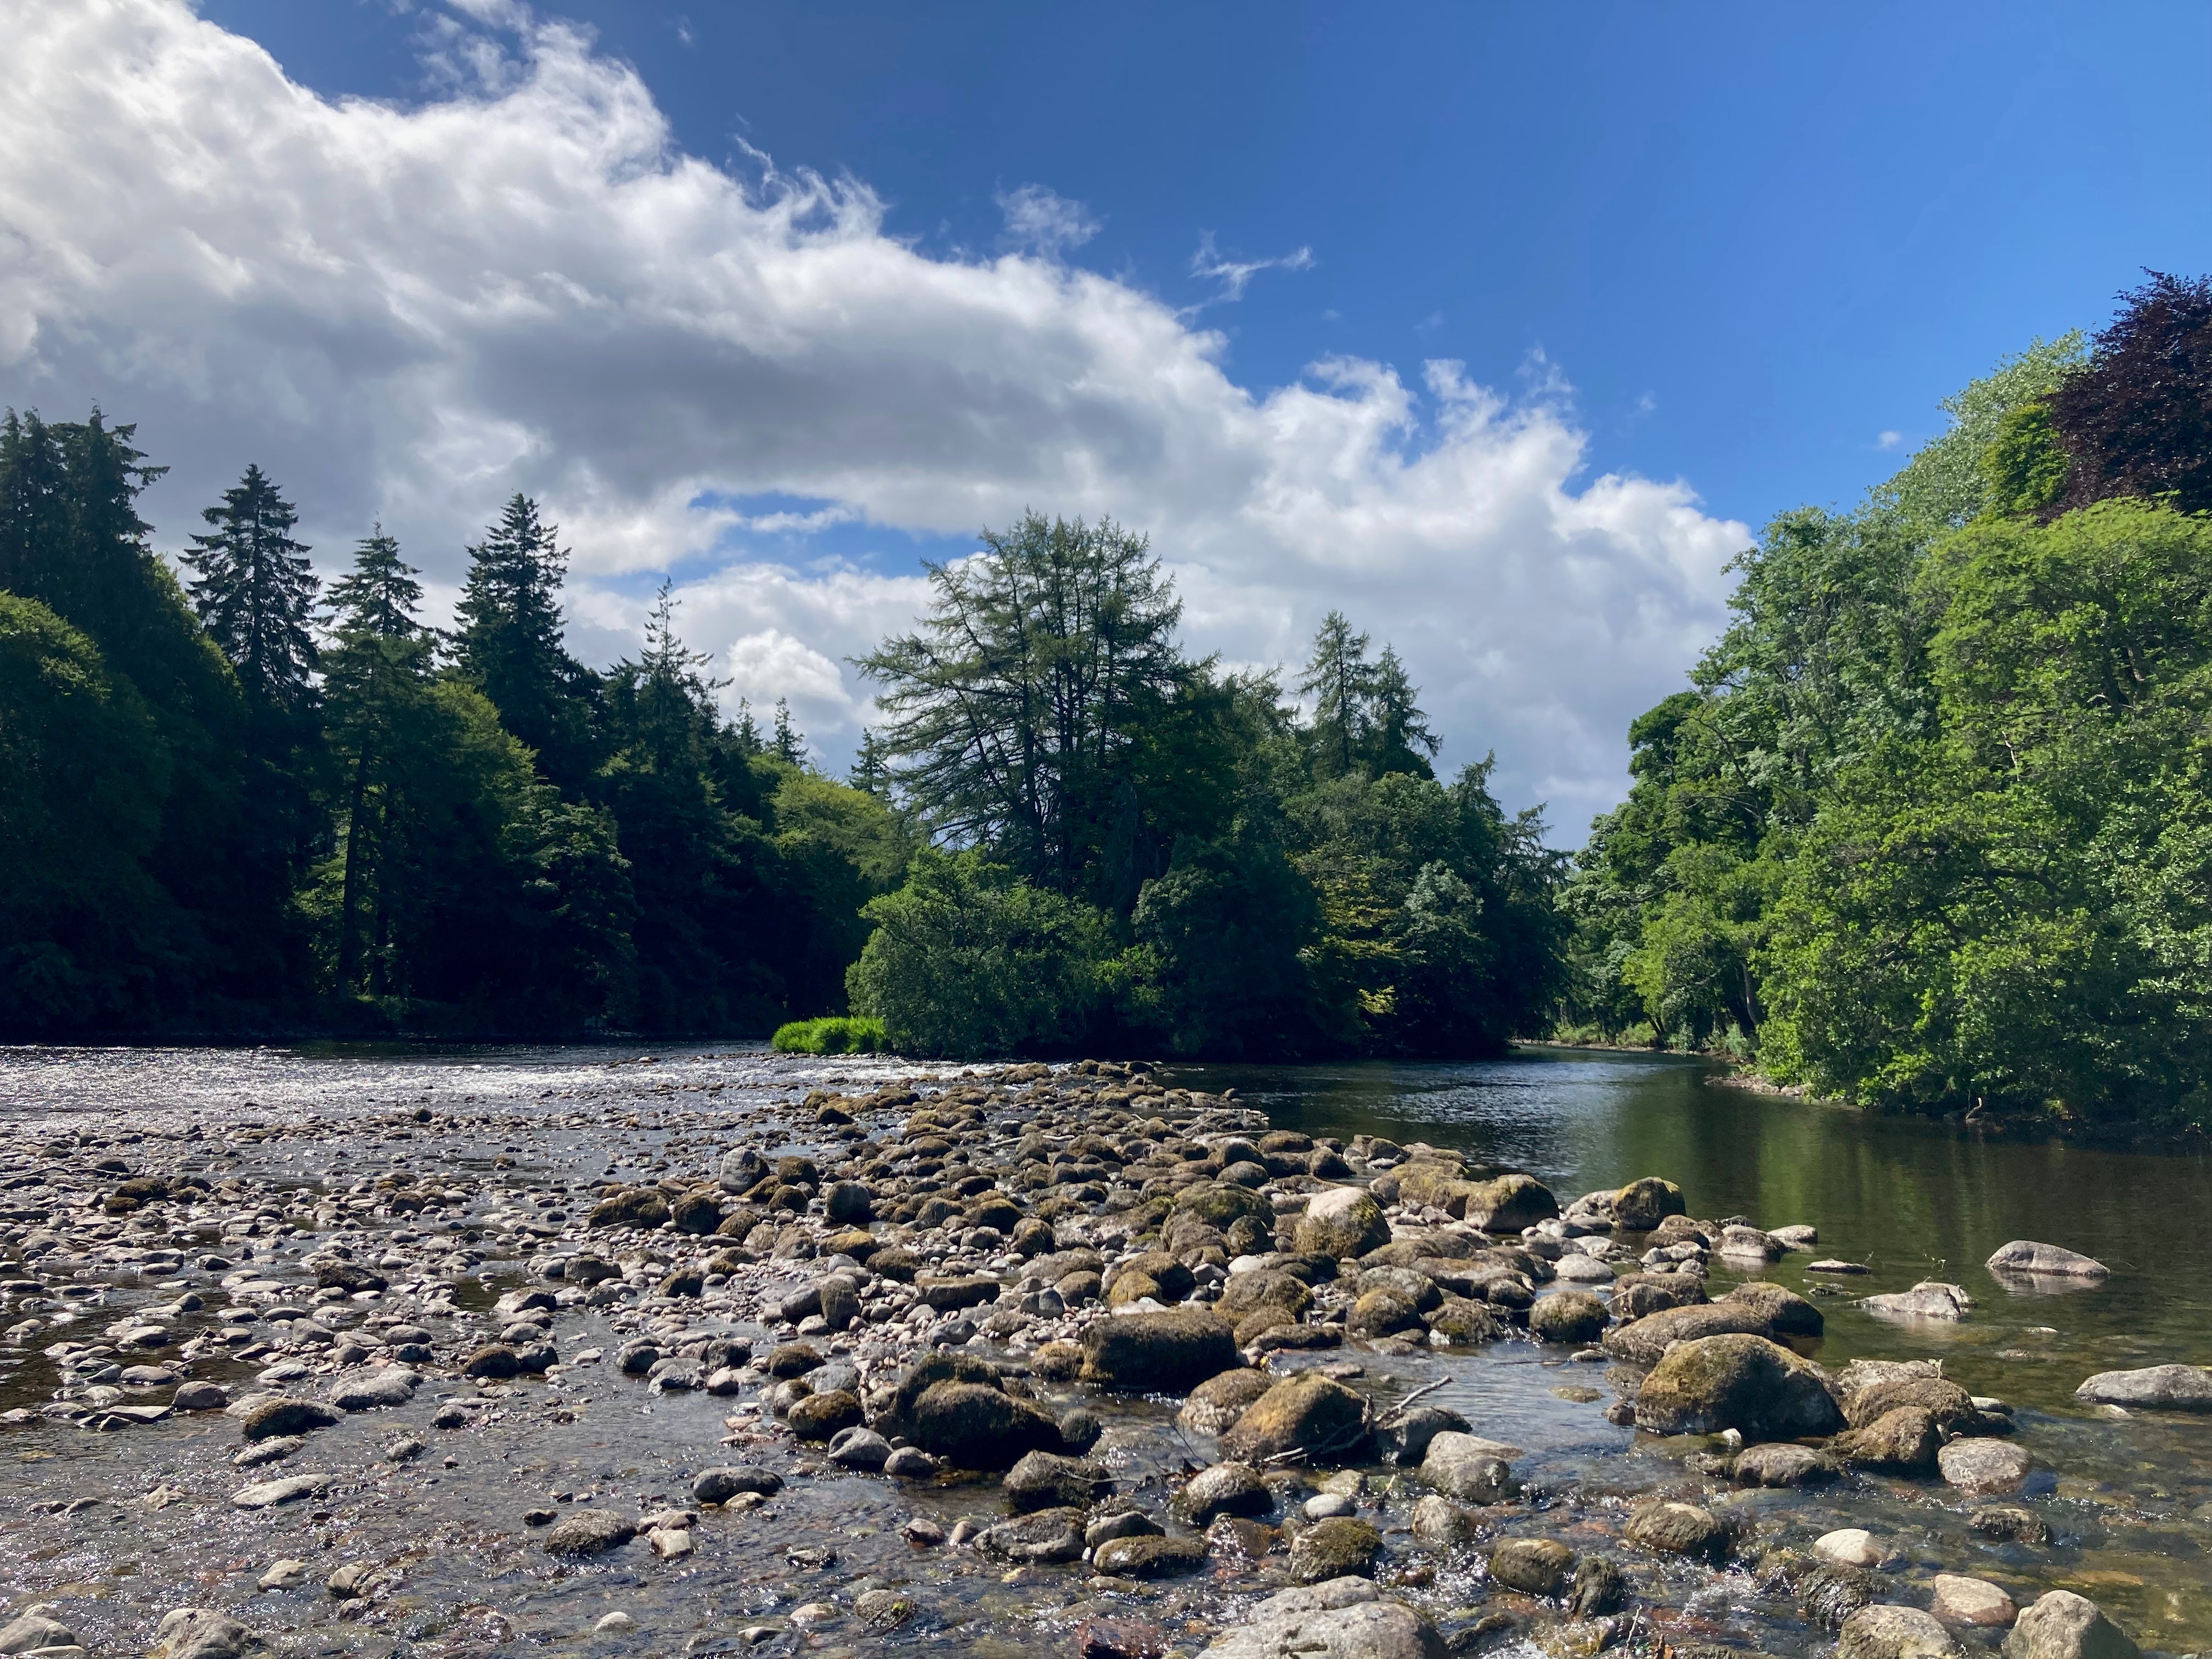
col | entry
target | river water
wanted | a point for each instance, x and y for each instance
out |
(2130, 1497)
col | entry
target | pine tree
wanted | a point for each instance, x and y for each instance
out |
(872, 770)
(1400, 738)
(511, 644)
(380, 658)
(378, 595)
(254, 591)
(790, 742)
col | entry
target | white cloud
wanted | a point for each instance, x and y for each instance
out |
(1234, 275)
(1049, 224)
(410, 312)
(1888, 440)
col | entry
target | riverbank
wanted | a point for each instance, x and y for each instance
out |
(508, 1297)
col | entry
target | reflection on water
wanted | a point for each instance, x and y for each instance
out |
(1912, 1200)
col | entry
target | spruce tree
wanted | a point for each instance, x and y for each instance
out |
(378, 595)
(377, 662)
(1401, 738)
(790, 741)
(511, 644)
(254, 593)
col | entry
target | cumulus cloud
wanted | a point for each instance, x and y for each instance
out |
(411, 312)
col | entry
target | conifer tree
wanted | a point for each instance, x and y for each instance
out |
(254, 591)
(1340, 680)
(380, 654)
(790, 742)
(511, 643)
(378, 595)
(1401, 738)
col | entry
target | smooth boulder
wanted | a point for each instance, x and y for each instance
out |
(2063, 1625)
(2158, 1388)
(1343, 1619)
(2026, 1259)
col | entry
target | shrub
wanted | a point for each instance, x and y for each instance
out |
(968, 960)
(838, 1034)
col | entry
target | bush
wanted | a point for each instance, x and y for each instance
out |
(838, 1034)
(968, 960)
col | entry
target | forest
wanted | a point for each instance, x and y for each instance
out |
(1928, 827)
(234, 803)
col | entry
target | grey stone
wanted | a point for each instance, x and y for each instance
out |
(1884, 1631)
(2024, 1257)
(2160, 1388)
(1343, 1619)
(2063, 1625)
(1224, 1489)
(1467, 1467)
(589, 1532)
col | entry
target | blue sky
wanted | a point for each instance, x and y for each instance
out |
(1549, 307)
(1754, 238)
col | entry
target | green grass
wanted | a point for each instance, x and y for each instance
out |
(836, 1035)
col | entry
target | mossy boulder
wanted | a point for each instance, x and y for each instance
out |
(1342, 1547)
(631, 1206)
(1220, 1203)
(1168, 1352)
(1534, 1566)
(973, 1426)
(1568, 1317)
(1344, 1222)
(1642, 1205)
(1309, 1415)
(1644, 1342)
(1509, 1203)
(1737, 1380)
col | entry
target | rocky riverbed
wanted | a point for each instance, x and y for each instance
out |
(740, 1355)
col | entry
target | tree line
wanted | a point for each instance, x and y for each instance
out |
(230, 802)
(1931, 825)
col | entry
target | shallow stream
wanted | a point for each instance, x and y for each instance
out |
(84, 1526)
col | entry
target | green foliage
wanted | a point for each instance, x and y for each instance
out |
(1928, 829)
(1044, 713)
(511, 647)
(968, 959)
(83, 777)
(1262, 887)
(837, 1034)
(2018, 909)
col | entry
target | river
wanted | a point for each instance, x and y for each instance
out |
(2130, 1498)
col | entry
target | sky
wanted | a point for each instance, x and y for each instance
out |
(1500, 329)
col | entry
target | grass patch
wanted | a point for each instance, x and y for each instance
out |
(837, 1034)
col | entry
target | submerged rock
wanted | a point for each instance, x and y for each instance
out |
(1930, 1299)
(1892, 1632)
